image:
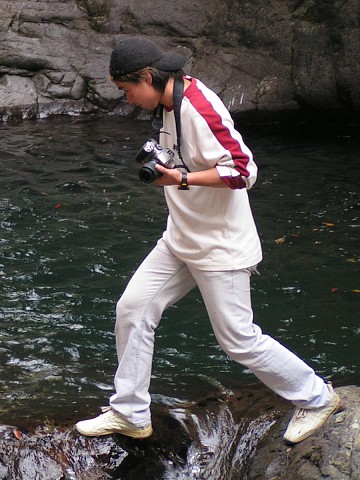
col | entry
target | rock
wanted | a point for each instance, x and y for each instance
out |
(223, 436)
(332, 453)
(211, 438)
(18, 96)
(258, 56)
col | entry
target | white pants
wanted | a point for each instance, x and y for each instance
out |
(161, 280)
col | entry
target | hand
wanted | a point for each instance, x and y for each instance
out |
(170, 176)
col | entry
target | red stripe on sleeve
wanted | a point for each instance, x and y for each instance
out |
(221, 133)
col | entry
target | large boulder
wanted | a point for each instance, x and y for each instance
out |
(258, 56)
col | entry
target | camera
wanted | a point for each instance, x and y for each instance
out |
(150, 154)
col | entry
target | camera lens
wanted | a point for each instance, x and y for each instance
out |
(148, 173)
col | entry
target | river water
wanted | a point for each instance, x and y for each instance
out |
(76, 221)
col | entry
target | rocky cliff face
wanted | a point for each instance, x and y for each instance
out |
(259, 56)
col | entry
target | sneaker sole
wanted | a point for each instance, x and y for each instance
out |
(335, 409)
(143, 433)
(139, 434)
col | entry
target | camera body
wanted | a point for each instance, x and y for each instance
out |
(150, 154)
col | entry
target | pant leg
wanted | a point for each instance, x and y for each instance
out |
(160, 281)
(227, 298)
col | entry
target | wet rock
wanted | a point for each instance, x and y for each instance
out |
(259, 56)
(20, 104)
(332, 453)
(212, 438)
(224, 436)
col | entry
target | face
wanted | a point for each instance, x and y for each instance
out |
(142, 94)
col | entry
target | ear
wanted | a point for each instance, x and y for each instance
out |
(148, 77)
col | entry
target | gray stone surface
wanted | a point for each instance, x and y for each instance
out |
(332, 453)
(259, 56)
(223, 436)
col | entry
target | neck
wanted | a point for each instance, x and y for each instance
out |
(167, 98)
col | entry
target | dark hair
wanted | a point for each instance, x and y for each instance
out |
(160, 77)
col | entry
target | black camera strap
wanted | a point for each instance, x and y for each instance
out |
(178, 95)
(157, 121)
(157, 118)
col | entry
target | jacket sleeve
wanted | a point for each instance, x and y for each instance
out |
(236, 167)
(239, 170)
(223, 146)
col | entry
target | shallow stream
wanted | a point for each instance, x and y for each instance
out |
(75, 221)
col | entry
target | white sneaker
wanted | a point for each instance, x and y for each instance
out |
(306, 421)
(111, 422)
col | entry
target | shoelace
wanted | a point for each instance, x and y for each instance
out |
(105, 409)
(301, 414)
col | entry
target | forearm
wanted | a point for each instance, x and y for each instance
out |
(205, 178)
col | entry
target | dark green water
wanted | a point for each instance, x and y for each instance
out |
(76, 221)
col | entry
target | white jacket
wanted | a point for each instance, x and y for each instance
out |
(211, 228)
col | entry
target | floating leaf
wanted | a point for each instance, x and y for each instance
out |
(279, 241)
(334, 289)
(356, 291)
(329, 224)
(17, 434)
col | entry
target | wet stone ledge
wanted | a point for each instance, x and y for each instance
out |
(219, 437)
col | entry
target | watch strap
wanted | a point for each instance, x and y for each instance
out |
(184, 183)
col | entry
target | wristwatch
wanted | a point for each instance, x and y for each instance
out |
(184, 183)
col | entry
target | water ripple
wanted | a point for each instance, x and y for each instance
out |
(75, 221)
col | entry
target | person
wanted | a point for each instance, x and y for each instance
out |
(210, 241)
